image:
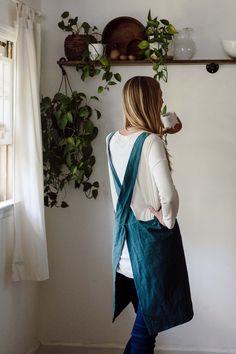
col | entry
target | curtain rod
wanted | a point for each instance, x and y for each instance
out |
(38, 13)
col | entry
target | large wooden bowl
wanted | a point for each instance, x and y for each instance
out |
(122, 31)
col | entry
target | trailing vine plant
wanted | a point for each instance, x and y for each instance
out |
(159, 35)
(68, 132)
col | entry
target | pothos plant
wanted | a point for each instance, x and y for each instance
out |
(86, 67)
(68, 132)
(159, 35)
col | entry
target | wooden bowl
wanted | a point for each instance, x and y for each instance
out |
(120, 32)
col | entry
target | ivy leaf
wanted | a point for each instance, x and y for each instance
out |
(94, 98)
(46, 201)
(71, 141)
(143, 45)
(94, 193)
(104, 61)
(111, 83)
(100, 89)
(87, 186)
(65, 14)
(98, 114)
(96, 184)
(52, 195)
(171, 29)
(69, 117)
(74, 170)
(88, 126)
(64, 205)
(165, 22)
(118, 77)
(86, 27)
(87, 151)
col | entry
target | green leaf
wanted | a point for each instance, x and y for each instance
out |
(98, 114)
(46, 201)
(64, 205)
(68, 160)
(104, 61)
(87, 186)
(65, 14)
(94, 98)
(88, 126)
(92, 160)
(100, 89)
(63, 122)
(83, 111)
(52, 195)
(86, 27)
(171, 29)
(71, 141)
(61, 25)
(149, 15)
(111, 83)
(165, 22)
(87, 151)
(147, 53)
(69, 117)
(74, 169)
(143, 45)
(94, 193)
(118, 77)
(164, 110)
(96, 184)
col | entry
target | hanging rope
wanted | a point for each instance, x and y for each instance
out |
(64, 80)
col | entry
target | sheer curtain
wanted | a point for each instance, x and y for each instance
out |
(30, 250)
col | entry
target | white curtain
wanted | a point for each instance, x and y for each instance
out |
(30, 253)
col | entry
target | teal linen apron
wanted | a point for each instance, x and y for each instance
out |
(156, 255)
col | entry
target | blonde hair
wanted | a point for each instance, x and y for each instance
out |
(142, 106)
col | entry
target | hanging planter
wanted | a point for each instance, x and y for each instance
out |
(75, 45)
(68, 132)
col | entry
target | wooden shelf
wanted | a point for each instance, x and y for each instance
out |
(148, 62)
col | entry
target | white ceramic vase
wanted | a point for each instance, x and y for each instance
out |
(96, 51)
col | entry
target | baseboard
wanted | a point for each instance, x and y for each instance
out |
(62, 348)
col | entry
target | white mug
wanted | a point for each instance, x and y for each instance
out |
(169, 119)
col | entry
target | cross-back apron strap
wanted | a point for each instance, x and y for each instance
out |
(114, 174)
(130, 176)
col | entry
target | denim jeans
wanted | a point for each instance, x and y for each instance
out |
(140, 341)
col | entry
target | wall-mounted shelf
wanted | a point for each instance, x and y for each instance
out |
(212, 65)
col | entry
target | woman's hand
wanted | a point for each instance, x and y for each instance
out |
(158, 214)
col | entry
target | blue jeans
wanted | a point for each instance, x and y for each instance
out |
(140, 341)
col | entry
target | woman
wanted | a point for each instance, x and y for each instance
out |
(149, 266)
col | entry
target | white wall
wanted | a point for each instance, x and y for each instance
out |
(76, 301)
(19, 302)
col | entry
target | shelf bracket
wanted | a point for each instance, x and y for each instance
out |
(212, 68)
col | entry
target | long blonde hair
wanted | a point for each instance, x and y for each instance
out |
(142, 101)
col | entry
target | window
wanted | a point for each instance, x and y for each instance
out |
(6, 122)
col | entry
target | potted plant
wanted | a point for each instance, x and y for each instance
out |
(76, 44)
(68, 132)
(159, 38)
(88, 50)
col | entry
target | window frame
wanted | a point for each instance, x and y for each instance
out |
(8, 33)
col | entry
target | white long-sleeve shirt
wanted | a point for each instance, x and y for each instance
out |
(154, 185)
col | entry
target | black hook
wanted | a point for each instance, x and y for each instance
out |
(61, 67)
(212, 68)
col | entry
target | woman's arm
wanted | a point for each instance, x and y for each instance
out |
(167, 193)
